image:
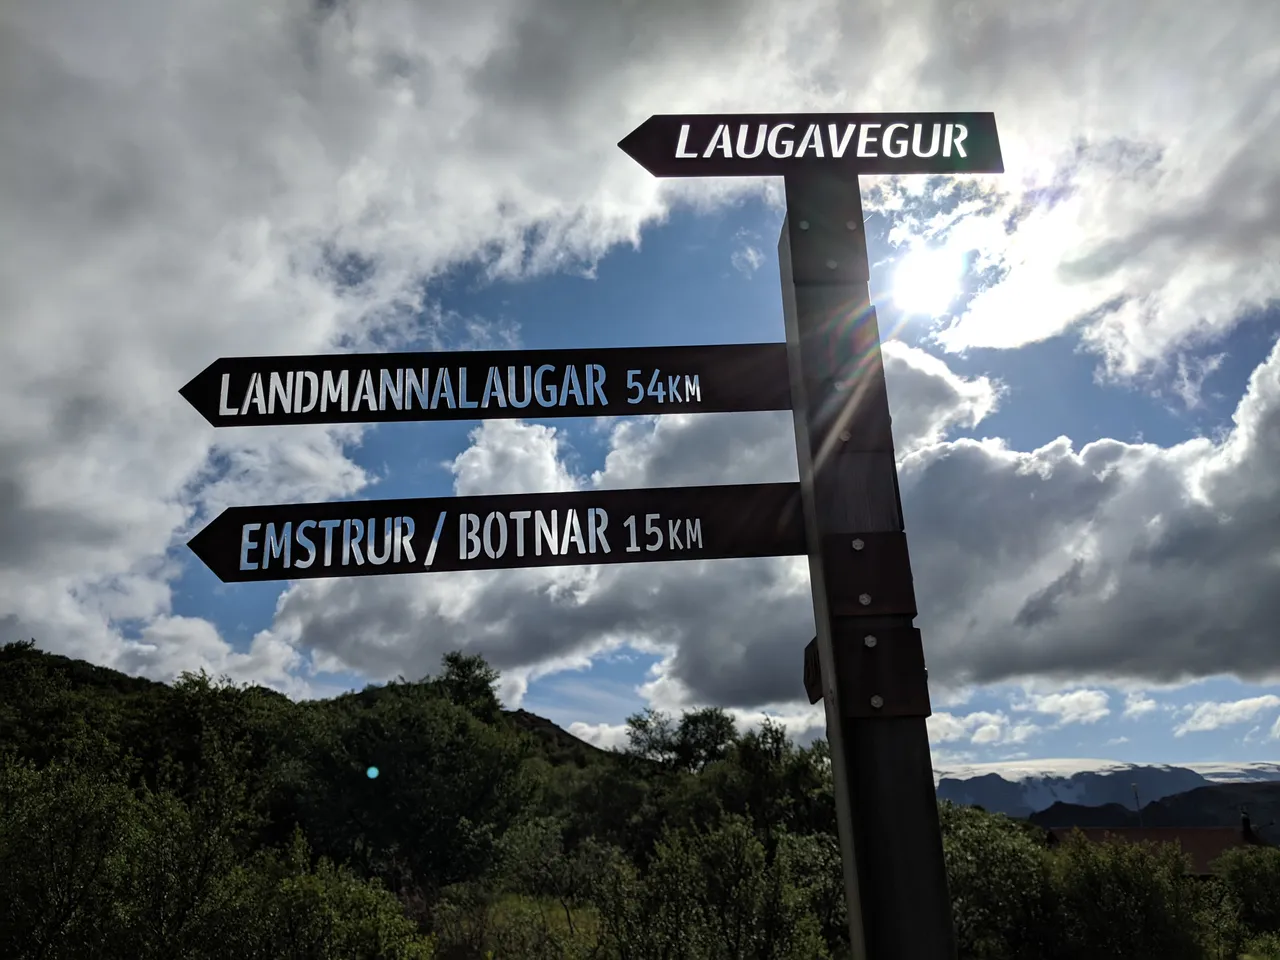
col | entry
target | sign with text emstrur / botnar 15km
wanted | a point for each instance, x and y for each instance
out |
(376, 537)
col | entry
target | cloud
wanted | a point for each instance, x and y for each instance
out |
(747, 259)
(980, 728)
(1137, 704)
(1075, 706)
(198, 179)
(1117, 560)
(510, 456)
(1191, 375)
(606, 736)
(926, 399)
(1213, 716)
(731, 632)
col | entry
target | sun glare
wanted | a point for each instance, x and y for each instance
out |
(927, 281)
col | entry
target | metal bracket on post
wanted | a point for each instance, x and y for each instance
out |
(868, 575)
(882, 671)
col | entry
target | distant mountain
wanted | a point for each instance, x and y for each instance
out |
(1217, 805)
(1022, 788)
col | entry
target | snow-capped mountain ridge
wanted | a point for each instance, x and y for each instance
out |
(1020, 788)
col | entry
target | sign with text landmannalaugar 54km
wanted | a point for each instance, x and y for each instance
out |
(491, 384)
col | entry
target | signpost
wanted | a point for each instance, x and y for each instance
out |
(360, 538)
(491, 384)
(802, 144)
(867, 661)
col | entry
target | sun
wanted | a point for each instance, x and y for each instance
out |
(927, 281)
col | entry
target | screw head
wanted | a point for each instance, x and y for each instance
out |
(877, 701)
(864, 599)
(845, 435)
(831, 264)
(851, 224)
(858, 544)
(804, 224)
(869, 640)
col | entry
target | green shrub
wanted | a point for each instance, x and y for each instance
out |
(1126, 900)
(1000, 885)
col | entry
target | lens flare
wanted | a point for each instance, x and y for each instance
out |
(372, 773)
(927, 281)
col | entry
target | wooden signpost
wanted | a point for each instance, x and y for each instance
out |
(867, 661)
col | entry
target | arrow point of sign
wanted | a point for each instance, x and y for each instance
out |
(204, 550)
(633, 143)
(191, 391)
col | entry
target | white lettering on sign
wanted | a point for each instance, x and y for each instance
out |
(747, 141)
(403, 388)
(301, 545)
(352, 543)
(663, 387)
(682, 534)
(556, 533)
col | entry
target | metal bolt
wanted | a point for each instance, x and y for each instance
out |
(877, 701)
(869, 640)
(851, 224)
(831, 264)
(804, 224)
(858, 544)
(864, 599)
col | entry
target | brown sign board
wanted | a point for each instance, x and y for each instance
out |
(378, 537)
(491, 384)
(801, 144)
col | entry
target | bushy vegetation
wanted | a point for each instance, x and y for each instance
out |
(205, 820)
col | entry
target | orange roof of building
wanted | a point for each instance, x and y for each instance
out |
(1202, 844)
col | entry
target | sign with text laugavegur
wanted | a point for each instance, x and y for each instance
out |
(785, 144)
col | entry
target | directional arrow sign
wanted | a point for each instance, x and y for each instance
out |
(493, 384)
(374, 537)
(780, 144)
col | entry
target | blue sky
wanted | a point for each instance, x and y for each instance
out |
(302, 179)
(689, 283)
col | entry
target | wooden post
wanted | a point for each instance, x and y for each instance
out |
(870, 659)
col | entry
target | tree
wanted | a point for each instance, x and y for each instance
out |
(447, 785)
(702, 737)
(1252, 875)
(1000, 887)
(652, 736)
(471, 683)
(1126, 900)
(711, 895)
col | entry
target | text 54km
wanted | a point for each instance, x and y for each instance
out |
(663, 387)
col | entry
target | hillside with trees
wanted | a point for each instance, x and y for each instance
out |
(207, 820)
